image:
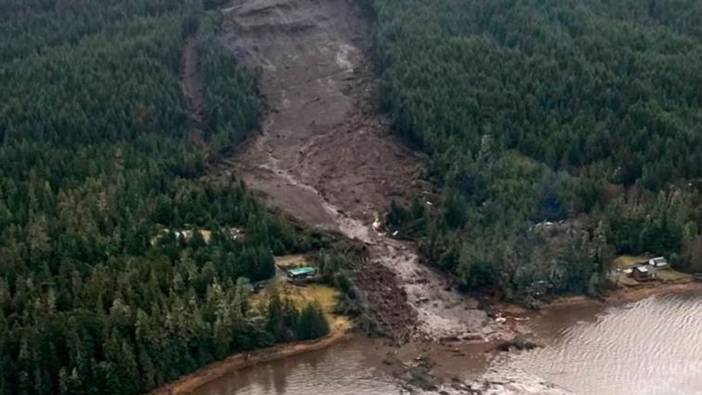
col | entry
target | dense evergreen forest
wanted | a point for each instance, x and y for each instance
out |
(562, 133)
(107, 284)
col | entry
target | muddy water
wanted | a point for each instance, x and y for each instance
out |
(357, 366)
(653, 346)
(649, 347)
(352, 367)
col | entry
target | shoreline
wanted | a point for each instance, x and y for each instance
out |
(516, 317)
(633, 294)
(216, 370)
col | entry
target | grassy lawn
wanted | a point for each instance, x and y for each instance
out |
(627, 281)
(326, 296)
(291, 261)
(672, 276)
(624, 261)
(665, 276)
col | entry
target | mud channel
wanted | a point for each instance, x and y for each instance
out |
(327, 157)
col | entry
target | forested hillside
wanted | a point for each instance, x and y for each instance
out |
(562, 132)
(107, 285)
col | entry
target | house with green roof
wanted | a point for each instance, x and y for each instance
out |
(302, 273)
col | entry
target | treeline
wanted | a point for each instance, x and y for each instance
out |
(584, 114)
(38, 25)
(230, 112)
(119, 265)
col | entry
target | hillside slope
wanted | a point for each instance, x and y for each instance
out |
(326, 156)
(581, 113)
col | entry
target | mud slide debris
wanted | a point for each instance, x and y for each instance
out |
(327, 157)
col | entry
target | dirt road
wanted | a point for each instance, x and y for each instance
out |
(325, 156)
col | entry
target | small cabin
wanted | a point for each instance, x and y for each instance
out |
(302, 273)
(658, 263)
(643, 273)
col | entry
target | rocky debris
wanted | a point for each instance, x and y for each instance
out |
(418, 375)
(416, 378)
(385, 302)
(513, 382)
(327, 157)
(468, 337)
(519, 343)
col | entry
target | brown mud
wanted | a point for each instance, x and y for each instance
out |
(326, 156)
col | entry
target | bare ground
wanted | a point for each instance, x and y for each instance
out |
(327, 157)
(193, 91)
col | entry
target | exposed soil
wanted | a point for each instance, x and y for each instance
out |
(327, 157)
(322, 145)
(193, 91)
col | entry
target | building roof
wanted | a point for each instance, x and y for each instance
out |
(642, 269)
(300, 271)
(659, 261)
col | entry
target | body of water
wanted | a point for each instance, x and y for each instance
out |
(353, 367)
(649, 347)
